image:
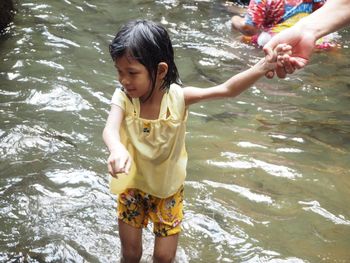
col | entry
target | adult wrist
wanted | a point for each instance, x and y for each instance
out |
(308, 28)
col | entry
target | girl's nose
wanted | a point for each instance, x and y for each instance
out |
(124, 81)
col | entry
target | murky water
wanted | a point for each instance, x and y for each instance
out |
(268, 175)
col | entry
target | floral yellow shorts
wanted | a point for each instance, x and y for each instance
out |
(135, 208)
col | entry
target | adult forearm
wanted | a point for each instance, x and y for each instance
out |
(334, 15)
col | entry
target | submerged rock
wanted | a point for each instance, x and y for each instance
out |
(6, 13)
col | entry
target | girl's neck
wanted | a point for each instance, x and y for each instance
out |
(150, 108)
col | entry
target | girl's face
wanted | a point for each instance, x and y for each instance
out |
(134, 77)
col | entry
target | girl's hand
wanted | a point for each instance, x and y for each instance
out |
(281, 57)
(268, 65)
(119, 161)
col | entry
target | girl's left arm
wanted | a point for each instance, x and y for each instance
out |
(230, 88)
(119, 160)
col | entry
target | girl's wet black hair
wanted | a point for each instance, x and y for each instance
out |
(149, 44)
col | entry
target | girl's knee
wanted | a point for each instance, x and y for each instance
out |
(131, 255)
(164, 257)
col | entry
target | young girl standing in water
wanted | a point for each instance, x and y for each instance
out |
(145, 134)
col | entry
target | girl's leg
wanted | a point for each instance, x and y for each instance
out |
(131, 241)
(165, 248)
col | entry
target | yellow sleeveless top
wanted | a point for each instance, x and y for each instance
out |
(157, 147)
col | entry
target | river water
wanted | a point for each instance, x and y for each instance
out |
(268, 175)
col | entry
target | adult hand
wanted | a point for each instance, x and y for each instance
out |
(302, 43)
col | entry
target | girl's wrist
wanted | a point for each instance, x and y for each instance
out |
(116, 147)
(260, 67)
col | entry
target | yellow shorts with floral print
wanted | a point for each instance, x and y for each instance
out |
(135, 208)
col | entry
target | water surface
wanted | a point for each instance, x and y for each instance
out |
(268, 174)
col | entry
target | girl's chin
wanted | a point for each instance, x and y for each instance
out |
(131, 93)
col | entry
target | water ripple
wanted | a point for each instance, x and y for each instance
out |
(245, 192)
(60, 98)
(315, 207)
(208, 228)
(73, 178)
(23, 138)
(58, 41)
(50, 64)
(244, 162)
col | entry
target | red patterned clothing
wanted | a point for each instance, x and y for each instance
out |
(265, 14)
(273, 16)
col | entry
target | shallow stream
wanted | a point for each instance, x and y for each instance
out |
(269, 172)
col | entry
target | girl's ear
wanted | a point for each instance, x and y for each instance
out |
(162, 70)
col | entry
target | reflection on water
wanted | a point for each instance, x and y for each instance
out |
(268, 176)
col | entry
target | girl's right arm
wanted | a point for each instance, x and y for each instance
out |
(230, 88)
(119, 160)
(239, 82)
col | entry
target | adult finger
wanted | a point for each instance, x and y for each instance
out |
(282, 49)
(280, 72)
(270, 55)
(280, 61)
(298, 62)
(269, 49)
(289, 68)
